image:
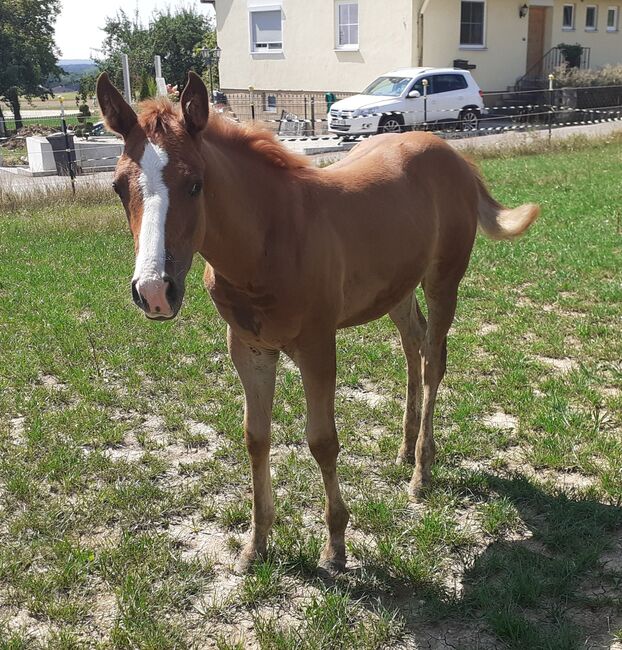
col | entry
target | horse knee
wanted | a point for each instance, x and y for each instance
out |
(325, 449)
(258, 446)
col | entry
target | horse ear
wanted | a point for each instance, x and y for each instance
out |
(118, 114)
(194, 104)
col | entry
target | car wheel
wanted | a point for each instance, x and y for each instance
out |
(391, 124)
(469, 119)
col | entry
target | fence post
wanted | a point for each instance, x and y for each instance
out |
(551, 109)
(313, 115)
(425, 102)
(252, 100)
(127, 89)
(72, 174)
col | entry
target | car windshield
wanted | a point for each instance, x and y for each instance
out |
(387, 86)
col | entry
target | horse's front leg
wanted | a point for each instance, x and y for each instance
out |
(316, 359)
(257, 370)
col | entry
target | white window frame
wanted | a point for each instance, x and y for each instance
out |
(616, 13)
(595, 27)
(350, 47)
(571, 27)
(264, 9)
(469, 46)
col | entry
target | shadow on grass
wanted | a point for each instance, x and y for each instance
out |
(534, 593)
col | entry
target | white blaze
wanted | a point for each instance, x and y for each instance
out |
(151, 254)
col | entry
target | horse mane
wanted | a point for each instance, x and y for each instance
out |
(162, 116)
(257, 139)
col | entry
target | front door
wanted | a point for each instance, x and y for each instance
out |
(535, 40)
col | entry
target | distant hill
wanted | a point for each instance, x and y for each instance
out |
(77, 66)
(72, 71)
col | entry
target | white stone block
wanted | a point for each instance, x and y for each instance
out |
(40, 155)
(98, 153)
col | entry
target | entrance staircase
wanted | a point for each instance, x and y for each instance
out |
(537, 76)
(531, 90)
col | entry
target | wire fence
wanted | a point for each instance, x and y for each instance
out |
(49, 145)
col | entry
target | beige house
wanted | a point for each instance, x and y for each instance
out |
(341, 45)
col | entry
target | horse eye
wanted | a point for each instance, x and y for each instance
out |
(115, 187)
(196, 188)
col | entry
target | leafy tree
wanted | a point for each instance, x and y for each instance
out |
(86, 85)
(126, 36)
(177, 37)
(27, 50)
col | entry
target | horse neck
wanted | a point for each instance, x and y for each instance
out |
(240, 196)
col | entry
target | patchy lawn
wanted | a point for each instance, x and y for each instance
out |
(124, 482)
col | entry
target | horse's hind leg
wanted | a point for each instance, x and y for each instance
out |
(441, 296)
(411, 324)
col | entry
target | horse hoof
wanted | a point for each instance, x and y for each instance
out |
(247, 560)
(331, 568)
(417, 490)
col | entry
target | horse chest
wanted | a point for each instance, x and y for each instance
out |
(255, 313)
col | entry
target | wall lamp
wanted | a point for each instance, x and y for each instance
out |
(522, 11)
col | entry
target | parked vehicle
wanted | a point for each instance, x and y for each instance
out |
(400, 100)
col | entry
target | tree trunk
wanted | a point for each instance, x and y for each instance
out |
(13, 98)
(2, 124)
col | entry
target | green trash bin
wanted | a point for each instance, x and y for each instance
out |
(330, 100)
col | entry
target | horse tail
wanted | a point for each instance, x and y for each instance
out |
(498, 222)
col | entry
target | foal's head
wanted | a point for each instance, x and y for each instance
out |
(159, 179)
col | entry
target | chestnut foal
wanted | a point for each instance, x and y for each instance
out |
(294, 253)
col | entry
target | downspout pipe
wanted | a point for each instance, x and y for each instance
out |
(423, 5)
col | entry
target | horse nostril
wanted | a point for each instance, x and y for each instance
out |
(171, 290)
(139, 300)
(135, 295)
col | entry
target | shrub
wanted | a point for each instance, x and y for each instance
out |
(610, 75)
(148, 87)
(572, 54)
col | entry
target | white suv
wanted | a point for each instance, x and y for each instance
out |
(395, 102)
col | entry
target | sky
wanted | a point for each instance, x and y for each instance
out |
(78, 27)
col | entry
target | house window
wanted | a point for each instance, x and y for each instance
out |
(269, 103)
(347, 24)
(266, 31)
(568, 17)
(472, 16)
(591, 18)
(612, 19)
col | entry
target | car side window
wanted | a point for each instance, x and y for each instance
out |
(431, 84)
(444, 83)
(398, 86)
(418, 85)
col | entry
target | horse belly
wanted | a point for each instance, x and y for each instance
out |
(383, 262)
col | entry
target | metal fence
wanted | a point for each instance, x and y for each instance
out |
(306, 117)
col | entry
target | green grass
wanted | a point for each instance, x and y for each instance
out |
(124, 481)
(53, 121)
(12, 157)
